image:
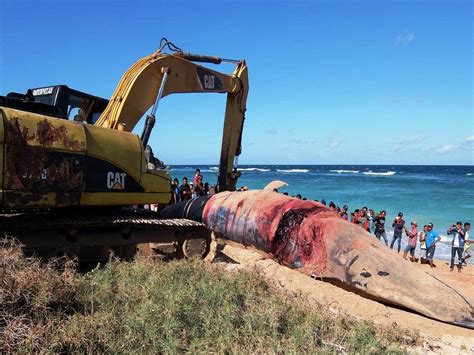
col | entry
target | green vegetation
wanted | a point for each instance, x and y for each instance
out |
(145, 306)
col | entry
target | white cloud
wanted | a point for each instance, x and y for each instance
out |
(406, 142)
(303, 141)
(470, 139)
(271, 131)
(405, 38)
(412, 140)
(333, 143)
(446, 149)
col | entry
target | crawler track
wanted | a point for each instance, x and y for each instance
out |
(94, 234)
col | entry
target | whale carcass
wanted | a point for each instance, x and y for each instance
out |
(307, 236)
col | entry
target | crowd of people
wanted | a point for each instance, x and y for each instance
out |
(369, 220)
(427, 238)
(188, 190)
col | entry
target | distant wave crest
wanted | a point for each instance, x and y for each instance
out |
(469, 174)
(387, 173)
(254, 169)
(344, 171)
(292, 170)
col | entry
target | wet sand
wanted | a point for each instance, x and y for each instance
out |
(438, 337)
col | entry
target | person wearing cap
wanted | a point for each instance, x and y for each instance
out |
(379, 222)
(412, 236)
(398, 224)
(431, 239)
(457, 245)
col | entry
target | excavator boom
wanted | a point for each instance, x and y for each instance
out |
(139, 89)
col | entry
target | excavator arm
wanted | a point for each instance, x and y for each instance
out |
(161, 74)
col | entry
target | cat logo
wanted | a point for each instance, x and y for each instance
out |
(209, 81)
(116, 181)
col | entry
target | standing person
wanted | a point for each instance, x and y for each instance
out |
(467, 242)
(197, 174)
(431, 238)
(379, 222)
(363, 221)
(185, 190)
(370, 218)
(344, 213)
(398, 224)
(457, 245)
(355, 216)
(176, 194)
(412, 237)
(423, 244)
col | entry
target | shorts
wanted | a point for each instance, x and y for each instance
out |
(423, 253)
(411, 249)
(430, 252)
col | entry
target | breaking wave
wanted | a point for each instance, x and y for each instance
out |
(292, 170)
(469, 174)
(344, 171)
(253, 169)
(387, 173)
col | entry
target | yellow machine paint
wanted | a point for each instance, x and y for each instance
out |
(46, 164)
(74, 178)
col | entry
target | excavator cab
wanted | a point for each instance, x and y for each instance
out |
(58, 101)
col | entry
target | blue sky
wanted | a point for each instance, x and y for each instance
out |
(331, 82)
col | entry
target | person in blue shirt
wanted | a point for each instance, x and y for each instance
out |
(176, 193)
(457, 244)
(431, 239)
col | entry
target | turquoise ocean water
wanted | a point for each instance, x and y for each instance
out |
(438, 194)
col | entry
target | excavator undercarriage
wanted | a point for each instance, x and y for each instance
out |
(94, 235)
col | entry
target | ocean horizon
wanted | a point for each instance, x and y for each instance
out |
(440, 194)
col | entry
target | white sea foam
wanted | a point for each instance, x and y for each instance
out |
(469, 174)
(344, 171)
(253, 169)
(292, 170)
(214, 168)
(387, 173)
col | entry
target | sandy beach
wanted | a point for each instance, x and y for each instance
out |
(438, 337)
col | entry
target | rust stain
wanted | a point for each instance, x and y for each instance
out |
(48, 135)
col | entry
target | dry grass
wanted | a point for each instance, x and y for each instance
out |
(187, 305)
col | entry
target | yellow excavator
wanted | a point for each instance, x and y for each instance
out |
(71, 166)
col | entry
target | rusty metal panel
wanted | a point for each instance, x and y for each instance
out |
(30, 129)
